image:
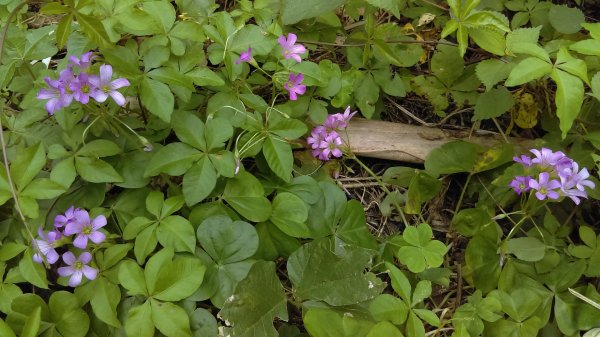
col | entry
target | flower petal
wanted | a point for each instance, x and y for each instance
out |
(80, 241)
(105, 73)
(99, 222)
(65, 271)
(119, 83)
(69, 258)
(118, 97)
(89, 272)
(97, 237)
(85, 257)
(73, 228)
(75, 279)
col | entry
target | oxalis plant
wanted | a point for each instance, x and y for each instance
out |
(170, 169)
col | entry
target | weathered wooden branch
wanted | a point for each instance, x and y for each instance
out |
(410, 143)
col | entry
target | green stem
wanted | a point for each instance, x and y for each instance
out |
(383, 186)
(462, 193)
(13, 191)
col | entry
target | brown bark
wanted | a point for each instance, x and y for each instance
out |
(410, 143)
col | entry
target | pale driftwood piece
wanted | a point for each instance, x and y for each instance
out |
(409, 143)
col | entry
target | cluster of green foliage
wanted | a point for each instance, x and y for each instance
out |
(219, 224)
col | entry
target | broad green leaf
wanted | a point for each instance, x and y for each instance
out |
(453, 157)
(587, 47)
(94, 29)
(386, 307)
(179, 279)
(131, 277)
(64, 29)
(317, 273)
(569, 97)
(320, 322)
(105, 300)
(289, 215)
(525, 41)
(176, 232)
(43, 188)
(114, 254)
(566, 20)
(69, 319)
(33, 272)
(392, 6)
(135, 226)
(157, 98)
(174, 159)
(5, 330)
(385, 329)
(139, 321)
(27, 164)
(366, 93)
(483, 259)
(527, 70)
(11, 249)
(64, 172)
(199, 181)
(171, 76)
(227, 241)
(145, 243)
(447, 64)
(352, 228)
(245, 194)
(251, 36)
(278, 154)
(400, 282)
(257, 301)
(32, 324)
(96, 170)
(170, 319)
(526, 248)
(99, 148)
(573, 66)
(414, 326)
(295, 11)
(162, 12)
(493, 103)
(490, 39)
(490, 72)
(218, 131)
(155, 264)
(422, 188)
(205, 77)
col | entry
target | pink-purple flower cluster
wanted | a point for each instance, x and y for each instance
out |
(556, 176)
(77, 224)
(75, 82)
(325, 140)
(290, 50)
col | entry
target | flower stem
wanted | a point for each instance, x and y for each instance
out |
(383, 186)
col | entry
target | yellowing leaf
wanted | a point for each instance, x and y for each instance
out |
(525, 111)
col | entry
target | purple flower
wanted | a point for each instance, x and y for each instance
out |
(290, 49)
(317, 135)
(294, 87)
(86, 229)
(83, 63)
(546, 157)
(573, 182)
(103, 87)
(523, 160)
(63, 220)
(520, 184)
(330, 146)
(77, 268)
(54, 95)
(81, 88)
(46, 244)
(339, 121)
(245, 56)
(545, 187)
